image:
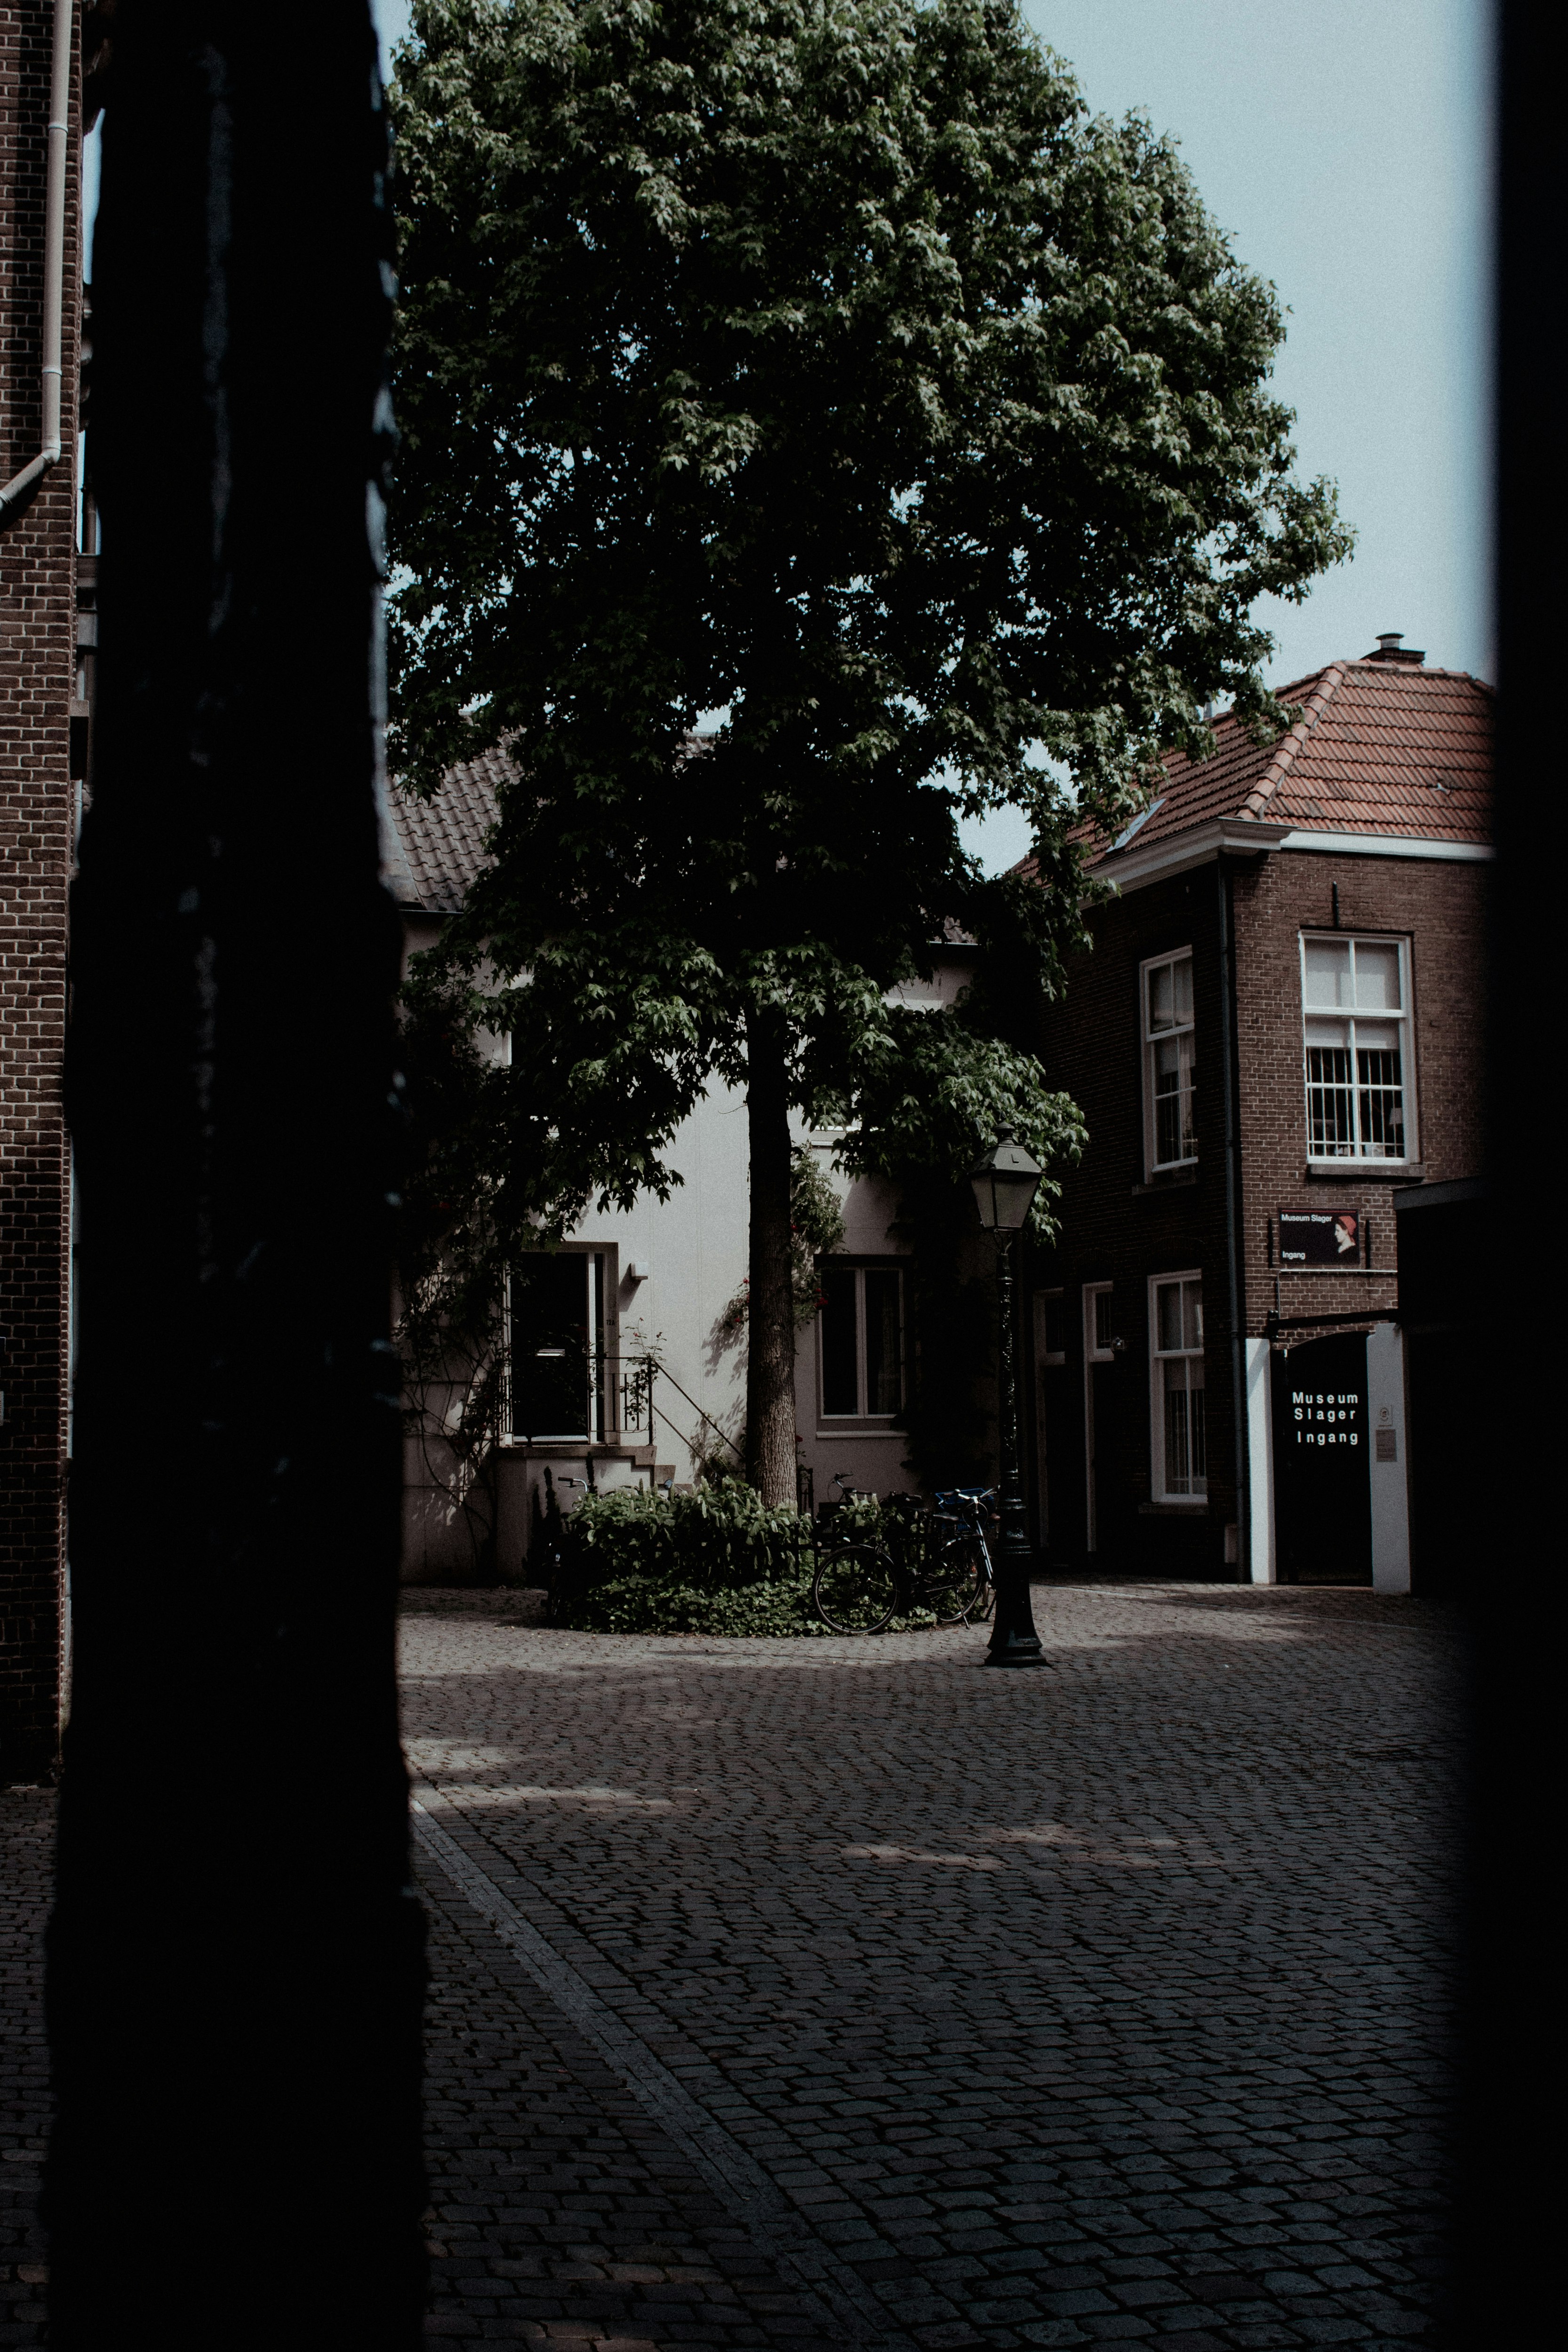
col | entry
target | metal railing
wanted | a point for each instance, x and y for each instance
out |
(619, 1391)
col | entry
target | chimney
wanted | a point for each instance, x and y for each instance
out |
(1391, 647)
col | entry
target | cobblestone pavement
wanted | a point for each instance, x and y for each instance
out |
(27, 1838)
(1106, 2004)
(779, 1983)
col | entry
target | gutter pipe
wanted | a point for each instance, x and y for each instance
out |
(17, 489)
(1230, 1057)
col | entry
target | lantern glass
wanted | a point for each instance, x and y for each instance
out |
(1005, 1182)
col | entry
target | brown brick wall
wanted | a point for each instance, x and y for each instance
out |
(1116, 1227)
(1440, 909)
(38, 638)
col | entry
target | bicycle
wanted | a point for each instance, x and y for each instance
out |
(861, 1587)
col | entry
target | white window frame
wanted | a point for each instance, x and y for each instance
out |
(1403, 1022)
(1151, 1037)
(1158, 1359)
(832, 1424)
(599, 1280)
(1093, 1353)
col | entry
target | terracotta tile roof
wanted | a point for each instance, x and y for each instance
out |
(443, 841)
(1381, 747)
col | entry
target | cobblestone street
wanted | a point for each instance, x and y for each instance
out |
(808, 1993)
(1106, 2004)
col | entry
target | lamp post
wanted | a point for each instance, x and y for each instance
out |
(1005, 1182)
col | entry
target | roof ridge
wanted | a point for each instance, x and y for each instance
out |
(1330, 680)
(1407, 670)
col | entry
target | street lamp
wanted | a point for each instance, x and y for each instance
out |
(1005, 1182)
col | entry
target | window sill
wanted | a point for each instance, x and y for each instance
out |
(1386, 1171)
(862, 1428)
(608, 1449)
(1178, 1506)
(1168, 1179)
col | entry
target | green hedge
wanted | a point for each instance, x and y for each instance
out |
(716, 1562)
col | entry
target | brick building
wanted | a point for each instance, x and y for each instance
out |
(1277, 1036)
(40, 279)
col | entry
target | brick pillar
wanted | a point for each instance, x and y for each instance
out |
(37, 652)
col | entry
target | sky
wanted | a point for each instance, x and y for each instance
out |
(1345, 150)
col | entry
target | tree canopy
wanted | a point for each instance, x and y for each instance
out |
(816, 425)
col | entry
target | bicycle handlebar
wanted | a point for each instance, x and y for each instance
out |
(947, 1495)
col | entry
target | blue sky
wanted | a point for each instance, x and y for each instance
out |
(1345, 148)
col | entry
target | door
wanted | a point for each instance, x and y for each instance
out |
(1101, 1420)
(1053, 1511)
(557, 1346)
(1322, 1489)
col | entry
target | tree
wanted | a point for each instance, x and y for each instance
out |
(817, 427)
(235, 1973)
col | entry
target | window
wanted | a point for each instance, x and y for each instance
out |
(1355, 1005)
(557, 1347)
(861, 1336)
(1097, 1323)
(1177, 1333)
(1171, 1137)
(1050, 1326)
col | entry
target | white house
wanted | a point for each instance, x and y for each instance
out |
(658, 1280)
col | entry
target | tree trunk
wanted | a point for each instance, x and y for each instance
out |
(770, 1363)
(234, 1962)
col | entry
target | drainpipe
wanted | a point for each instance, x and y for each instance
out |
(17, 489)
(1233, 1221)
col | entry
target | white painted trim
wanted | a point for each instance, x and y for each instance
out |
(1404, 1019)
(1261, 1567)
(1390, 1490)
(1157, 1393)
(1388, 845)
(1130, 869)
(1173, 956)
(1352, 1166)
(1133, 868)
(863, 1424)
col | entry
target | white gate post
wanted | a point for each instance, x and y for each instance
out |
(1259, 1465)
(1387, 1468)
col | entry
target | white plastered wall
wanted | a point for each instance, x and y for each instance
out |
(694, 1248)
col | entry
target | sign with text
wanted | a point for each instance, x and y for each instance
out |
(1319, 1237)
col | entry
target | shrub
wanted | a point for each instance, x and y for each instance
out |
(716, 1562)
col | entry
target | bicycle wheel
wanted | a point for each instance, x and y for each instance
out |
(959, 1586)
(856, 1589)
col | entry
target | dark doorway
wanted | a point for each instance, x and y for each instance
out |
(1446, 1303)
(557, 1347)
(1106, 1474)
(1322, 1494)
(1449, 1498)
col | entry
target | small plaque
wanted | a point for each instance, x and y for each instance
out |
(1319, 1237)
(1387, 1445)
